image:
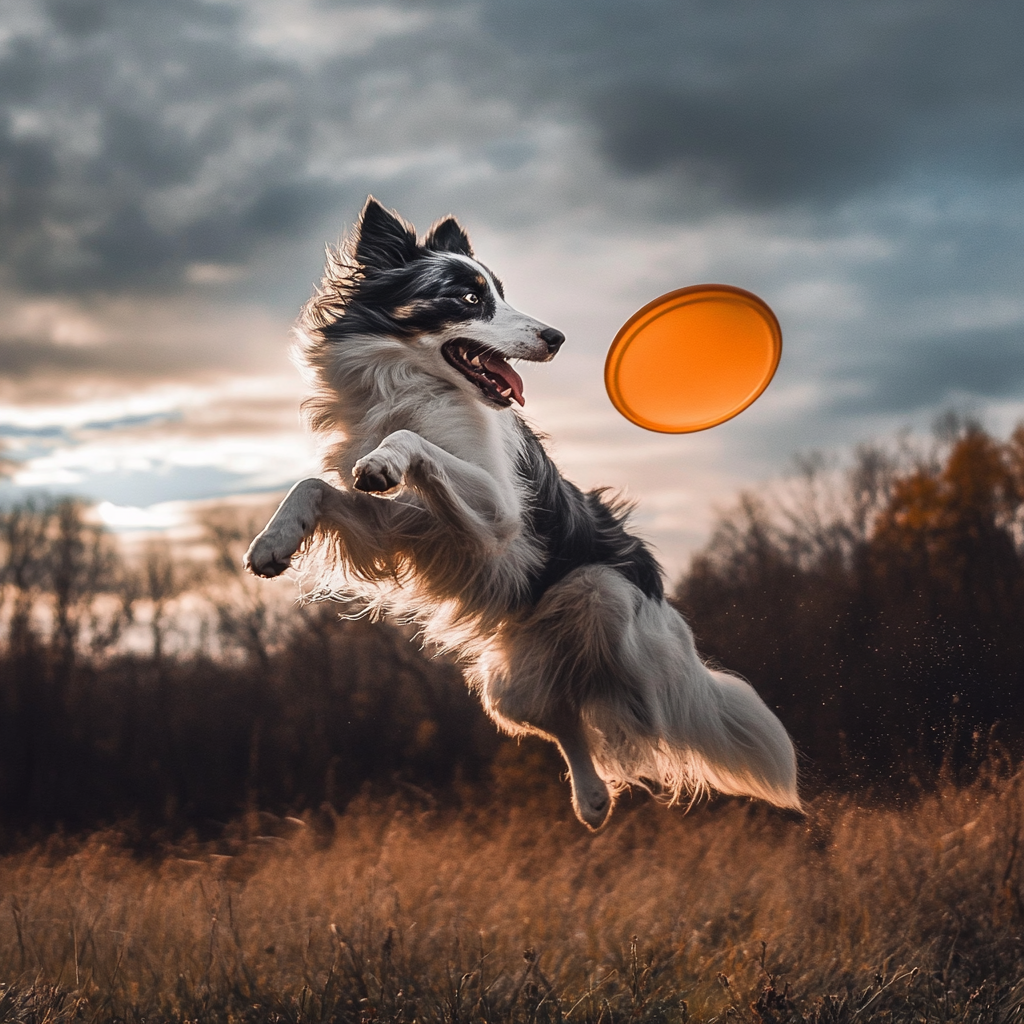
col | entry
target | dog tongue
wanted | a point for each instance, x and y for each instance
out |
(496, 365)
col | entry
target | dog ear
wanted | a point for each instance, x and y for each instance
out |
(383, 240)
(447, 236)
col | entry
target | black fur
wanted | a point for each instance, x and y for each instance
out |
(390, 284)
(577, 528)
(384, 241)
(401, 288)
(448, 236)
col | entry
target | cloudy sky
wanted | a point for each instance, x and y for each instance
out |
(171, 169)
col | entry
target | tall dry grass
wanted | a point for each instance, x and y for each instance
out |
(852, 914)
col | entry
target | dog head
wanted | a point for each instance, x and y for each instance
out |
(434, 296)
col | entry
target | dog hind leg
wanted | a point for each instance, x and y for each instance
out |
(525, 703)
(590, 797)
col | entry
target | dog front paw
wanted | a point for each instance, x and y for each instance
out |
(379, 472)
(271, 552)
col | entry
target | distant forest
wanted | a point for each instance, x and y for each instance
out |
(879, 608)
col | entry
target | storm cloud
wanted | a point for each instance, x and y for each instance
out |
(170, 170)
(140, 139)
(811, 103)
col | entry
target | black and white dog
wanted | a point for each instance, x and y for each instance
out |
(446, 510)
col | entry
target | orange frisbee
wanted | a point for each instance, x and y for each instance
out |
(693, 358)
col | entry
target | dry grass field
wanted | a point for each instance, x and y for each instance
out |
(401, 912)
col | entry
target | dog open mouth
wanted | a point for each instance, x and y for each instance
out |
(486, 369)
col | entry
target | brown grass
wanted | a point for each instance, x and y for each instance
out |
(853, 914)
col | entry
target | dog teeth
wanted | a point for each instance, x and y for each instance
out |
(475, 361)
(506, 393)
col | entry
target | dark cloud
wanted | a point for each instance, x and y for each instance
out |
(800, 101)
(909, 377)
(23, 359)
(138, 138)
(162, 343)
(79, 17)
(146, 144)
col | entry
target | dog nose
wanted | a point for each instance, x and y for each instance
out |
(552, 338)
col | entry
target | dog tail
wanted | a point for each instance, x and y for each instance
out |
(673, 722)
(714, 733)
(739, 746)
(655, 715)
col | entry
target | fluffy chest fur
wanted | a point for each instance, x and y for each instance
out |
(417, 338)
(371, 387)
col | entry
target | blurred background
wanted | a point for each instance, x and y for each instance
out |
(170, 171)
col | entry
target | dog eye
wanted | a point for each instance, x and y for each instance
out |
(471, 297)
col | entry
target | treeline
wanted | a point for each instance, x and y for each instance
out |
(177, 694)
(880, 609)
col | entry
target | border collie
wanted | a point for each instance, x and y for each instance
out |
(443, 508)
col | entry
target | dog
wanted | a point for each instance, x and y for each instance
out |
(441, 506)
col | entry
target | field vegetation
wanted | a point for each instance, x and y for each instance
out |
(510, 912)
(217, 805)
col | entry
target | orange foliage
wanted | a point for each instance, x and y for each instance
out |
(947, 523)
(886, 622)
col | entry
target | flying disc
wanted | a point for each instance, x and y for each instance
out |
(693, 358)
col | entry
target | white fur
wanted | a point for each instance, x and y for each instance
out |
(705, 729)
(449, 548)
